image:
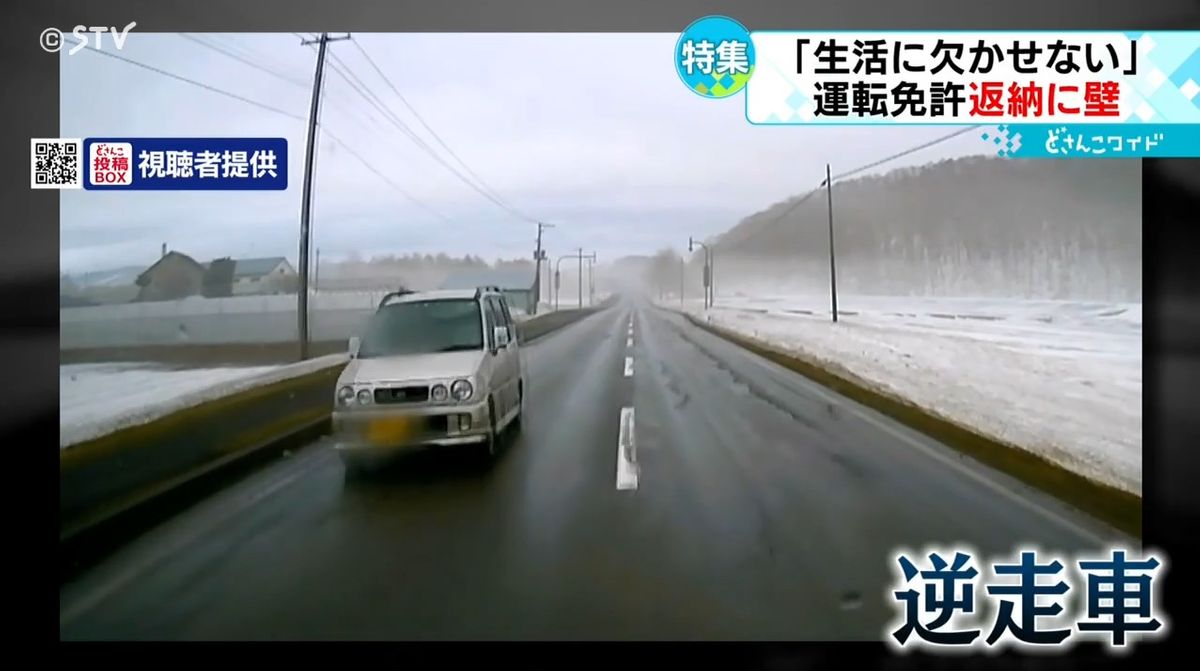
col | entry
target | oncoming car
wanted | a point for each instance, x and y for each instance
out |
(431, 369)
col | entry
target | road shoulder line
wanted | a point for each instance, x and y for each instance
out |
(1115, 507)
(627, 470)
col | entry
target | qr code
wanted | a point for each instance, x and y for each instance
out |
(54, 163)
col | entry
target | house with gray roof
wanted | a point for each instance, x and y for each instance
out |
(266, 275)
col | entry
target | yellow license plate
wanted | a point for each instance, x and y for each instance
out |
(391, 431)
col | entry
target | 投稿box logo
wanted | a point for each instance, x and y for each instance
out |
(110, 164)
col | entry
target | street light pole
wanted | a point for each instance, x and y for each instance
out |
(591, 259)
(707, 270)
(558, 278)
(832, 267)
(712, 276)
(581, 278)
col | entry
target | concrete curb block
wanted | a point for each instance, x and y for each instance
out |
(1118, 508)
(545, 324)
(118, 484)
(85, 542)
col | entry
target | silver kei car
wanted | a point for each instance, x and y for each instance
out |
(431, 369)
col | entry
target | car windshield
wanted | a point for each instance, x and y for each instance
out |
(421, 327)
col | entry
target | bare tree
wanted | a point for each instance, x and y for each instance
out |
(662, 274)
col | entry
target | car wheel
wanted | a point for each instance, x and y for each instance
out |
(493, 440)
(516, 423)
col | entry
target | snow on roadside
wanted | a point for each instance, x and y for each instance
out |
(98, 399)
(1063, 380)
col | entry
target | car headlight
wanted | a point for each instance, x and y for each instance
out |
(345, 395)
(364, 396)
(439, 392)
(462, 390)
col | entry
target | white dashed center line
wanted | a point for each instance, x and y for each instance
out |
(628, 366)
(627, 469)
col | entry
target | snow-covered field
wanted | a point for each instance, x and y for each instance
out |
(1060, 378)
(96, 399)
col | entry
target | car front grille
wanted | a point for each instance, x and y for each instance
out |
(418, 394)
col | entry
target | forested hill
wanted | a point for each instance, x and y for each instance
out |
(976, 225)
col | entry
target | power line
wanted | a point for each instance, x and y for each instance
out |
(385, 178)
(342, 70)
(270, 108)
(247, 61)
(367, 96)
(353, 80)
(372, 168)
(267, 58)
(361, 88)
(274, 73)
(193, 82)
(798, 203)
(864, 168)
(904, 153)
(428, 128)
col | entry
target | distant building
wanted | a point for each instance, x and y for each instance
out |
(174, 276)
(270, 275)
(517, 285)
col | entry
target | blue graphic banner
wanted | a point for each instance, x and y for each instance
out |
(185, 164)
(1093, 140)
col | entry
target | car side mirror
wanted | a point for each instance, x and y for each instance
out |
(500, 336)
(354, 343)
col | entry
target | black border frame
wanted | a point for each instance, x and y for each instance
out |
(1171, 209)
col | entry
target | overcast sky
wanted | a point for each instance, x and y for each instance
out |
(592, 132)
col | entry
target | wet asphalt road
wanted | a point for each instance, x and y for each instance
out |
(765, 508)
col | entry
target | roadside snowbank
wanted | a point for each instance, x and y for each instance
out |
(97, 399)
(1062, 379)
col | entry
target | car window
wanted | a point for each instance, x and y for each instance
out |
(512, 326)
(490, 320)
(497, 307)
(419, 327)
(507, 315)
(497, 317)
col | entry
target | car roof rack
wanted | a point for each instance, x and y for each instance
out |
(394, 294)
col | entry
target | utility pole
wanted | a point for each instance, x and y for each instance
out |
(306, 202)
(538, 255)
(832, 267)
(682, 273)
(581, 278)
